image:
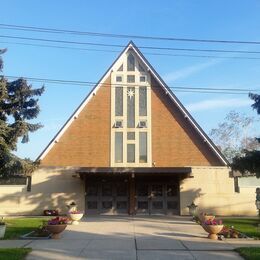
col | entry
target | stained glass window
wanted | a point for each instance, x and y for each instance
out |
(130, 62)
(118, 147)
(119, 101)
(130, 153)
(142, 101)
(142, 147)
(130, 107)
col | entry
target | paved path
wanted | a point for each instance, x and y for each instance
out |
(139, 238)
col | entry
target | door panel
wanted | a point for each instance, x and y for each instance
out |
(92, 198)
(172, 192)
(107, 198)
(157, 198)
(142, 202)
(121, 198)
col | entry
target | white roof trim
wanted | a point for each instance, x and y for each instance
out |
(95, 89)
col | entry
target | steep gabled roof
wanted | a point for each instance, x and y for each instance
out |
(174, 99)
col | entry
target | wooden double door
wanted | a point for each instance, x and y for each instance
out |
(136, 196)
(157, 198)
(109, 197)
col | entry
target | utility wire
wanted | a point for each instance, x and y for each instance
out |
(122, 46)
(113, 35)
(180, 89)
(146, 53)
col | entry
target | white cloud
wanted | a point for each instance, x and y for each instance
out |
(218, 103)
(185, 72)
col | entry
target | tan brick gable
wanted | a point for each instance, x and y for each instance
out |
(174, 141)
(86, 142)
(177, 140)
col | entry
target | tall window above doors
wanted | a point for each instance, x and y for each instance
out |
(130, 113)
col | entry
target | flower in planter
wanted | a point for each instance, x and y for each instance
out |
(231, 232)
(213, 222)
(58, 221)
(75, 212)
(50, 212)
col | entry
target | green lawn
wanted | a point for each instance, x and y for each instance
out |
(20, 226)
(247, 226)
(14, 253)
(249, 253)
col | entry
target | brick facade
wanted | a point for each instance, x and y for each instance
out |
(86, 142)
(175, 143)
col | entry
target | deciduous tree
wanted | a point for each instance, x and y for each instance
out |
(250, 161)
(233, 135)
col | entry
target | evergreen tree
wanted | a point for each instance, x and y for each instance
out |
(18, 105)
(250, 162)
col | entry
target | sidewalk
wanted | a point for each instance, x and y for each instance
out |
(133, 238)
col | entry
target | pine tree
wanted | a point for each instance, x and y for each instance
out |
(18, 105)
(250, 162)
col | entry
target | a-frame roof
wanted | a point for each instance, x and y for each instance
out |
(174, 99)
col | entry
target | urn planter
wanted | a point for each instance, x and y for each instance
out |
(213, 230)
(75, 217)
(56, 230)
(2, 231)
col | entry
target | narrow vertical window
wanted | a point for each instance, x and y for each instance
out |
(119, 101)
(130, 107)
(142, 101)
(143, 147)
(130, 62)
(118, 147)
(130, 153)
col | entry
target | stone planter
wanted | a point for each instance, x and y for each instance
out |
(75, 217)
(213, 230)
(2, 231)
(56, 230)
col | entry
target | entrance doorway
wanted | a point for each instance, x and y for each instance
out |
(107, 197)
(157, 198)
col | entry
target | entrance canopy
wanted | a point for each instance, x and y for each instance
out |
(135, 170)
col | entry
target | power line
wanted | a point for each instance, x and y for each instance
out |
(180, 89)
(146, 53)
(113, 35)
(122, 46)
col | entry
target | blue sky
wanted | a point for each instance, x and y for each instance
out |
(234, 20)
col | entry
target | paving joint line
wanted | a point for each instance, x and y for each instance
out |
(196, 250)
(187, 249)
(80, 253)
(27, 244)
(136, 254)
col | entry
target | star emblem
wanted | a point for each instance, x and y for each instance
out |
(130, 93)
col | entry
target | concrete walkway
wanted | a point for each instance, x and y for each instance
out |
(137, 238)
